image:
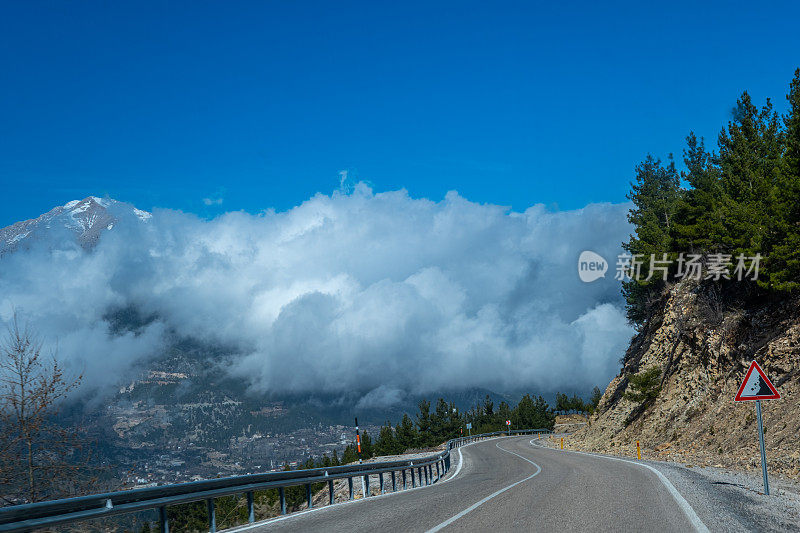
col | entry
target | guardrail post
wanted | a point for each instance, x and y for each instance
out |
(212, 516)
(163, 519)
(282, 498)
(350, 486)
(308, 495)
(404, 480)
(330, 492)
(394, 482)
(251, 514)
(380, 481)
(438, 475)
(413, 483)
(366, 485)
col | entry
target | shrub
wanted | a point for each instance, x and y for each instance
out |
(644, 387)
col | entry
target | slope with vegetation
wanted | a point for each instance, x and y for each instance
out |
(697, 335)
(743, 200)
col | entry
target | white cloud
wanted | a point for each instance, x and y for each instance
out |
(348, 292)
(212, 201)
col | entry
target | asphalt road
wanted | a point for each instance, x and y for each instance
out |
(510, 485)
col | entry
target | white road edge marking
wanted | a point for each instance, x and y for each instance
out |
(691, 515)
(489, 497)
(247, 527)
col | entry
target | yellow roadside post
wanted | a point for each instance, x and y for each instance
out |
(562, 443)
(638, 451)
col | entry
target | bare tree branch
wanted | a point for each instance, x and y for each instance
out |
(39, 458)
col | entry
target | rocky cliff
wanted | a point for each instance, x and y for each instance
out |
(703, 337)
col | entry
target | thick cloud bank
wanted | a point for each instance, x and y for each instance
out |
(379, 293)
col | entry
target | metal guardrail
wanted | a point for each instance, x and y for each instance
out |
(28, 517)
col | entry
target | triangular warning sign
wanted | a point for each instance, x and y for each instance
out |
(756, 386)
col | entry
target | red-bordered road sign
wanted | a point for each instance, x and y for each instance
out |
(756, 386)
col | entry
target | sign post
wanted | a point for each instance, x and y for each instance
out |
(469, 428)
(508, 423)
(358, 447)
(756, 387)
(358, 442)
(761, 442)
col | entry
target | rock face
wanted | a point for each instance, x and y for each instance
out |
(703, 339)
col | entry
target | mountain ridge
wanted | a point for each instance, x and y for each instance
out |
(86, 219)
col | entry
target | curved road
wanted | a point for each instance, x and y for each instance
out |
(509, 484)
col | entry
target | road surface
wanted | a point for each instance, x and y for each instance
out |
(508, 484)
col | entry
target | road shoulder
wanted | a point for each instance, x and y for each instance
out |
(729, 500)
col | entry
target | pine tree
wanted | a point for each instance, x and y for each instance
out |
(386, 443)
(367, 449)
(440, 423)
(792, 122)
(697, 226)
(503, 414)
(521, 414)
(454, 421)
(562, 401)
(424, 422)
(597, 395)
(350, 454)
(645, 386)
(654, 194)
(750, 164)
(784, 262)
(406, 433)
(488, 411)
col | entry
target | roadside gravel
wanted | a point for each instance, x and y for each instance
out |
(728, 500)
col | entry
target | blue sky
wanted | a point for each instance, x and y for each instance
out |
(263, 104)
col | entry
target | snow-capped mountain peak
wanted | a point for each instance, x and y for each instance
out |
(87, 219)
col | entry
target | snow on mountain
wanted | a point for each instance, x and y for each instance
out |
(86, 218)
